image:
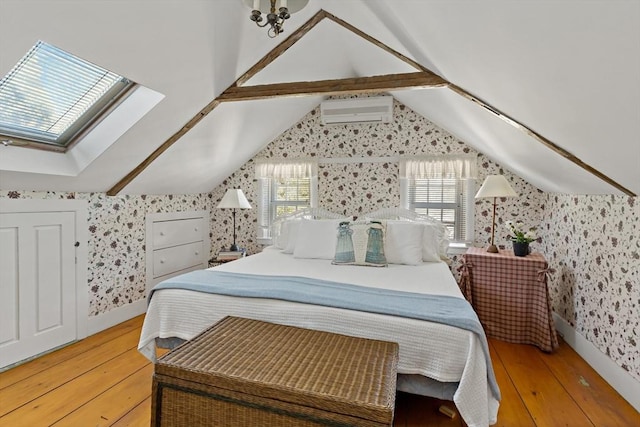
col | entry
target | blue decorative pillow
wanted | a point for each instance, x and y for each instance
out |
(360, 244)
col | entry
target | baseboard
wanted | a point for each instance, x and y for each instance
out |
(111, 318)
(618, 378)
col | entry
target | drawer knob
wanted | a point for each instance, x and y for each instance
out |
(196, 228)
(162, 261)
(197, 252)
(162, 233)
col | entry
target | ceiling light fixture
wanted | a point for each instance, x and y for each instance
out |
(277, 12)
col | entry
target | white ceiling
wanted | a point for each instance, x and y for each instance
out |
(569, 70)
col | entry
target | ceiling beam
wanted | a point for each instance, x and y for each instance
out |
(257, 67)
(541, 139)
(373, 84)
(536, 136)
(376, 42)
(332, 87)
(162, 148)
(281, 48)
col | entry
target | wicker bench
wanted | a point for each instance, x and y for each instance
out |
(243, 372)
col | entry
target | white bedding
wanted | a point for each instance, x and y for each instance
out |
(433, 350)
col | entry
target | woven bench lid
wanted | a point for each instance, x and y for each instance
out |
(332, 372)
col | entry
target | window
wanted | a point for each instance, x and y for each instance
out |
(441, 187)
(444, 200)
(284, 188)
(51, 98)
(289, 195)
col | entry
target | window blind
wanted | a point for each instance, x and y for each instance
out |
(51, 95)
(283, 188)
(441, 187)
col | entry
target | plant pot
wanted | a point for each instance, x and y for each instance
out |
(520, 248)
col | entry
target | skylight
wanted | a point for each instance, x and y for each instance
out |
(51, 97)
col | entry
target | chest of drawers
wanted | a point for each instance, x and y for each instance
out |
(176, 243)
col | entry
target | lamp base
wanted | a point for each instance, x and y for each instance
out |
(492, 249)
(233, 248)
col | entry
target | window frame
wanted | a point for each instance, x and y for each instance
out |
(85, 122)
(268, 187)
(463, 228)
(274, 203)
(464, 205)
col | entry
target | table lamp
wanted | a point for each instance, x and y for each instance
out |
(234, 199)
(495, 186)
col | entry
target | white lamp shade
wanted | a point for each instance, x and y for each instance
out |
(264, 6)
(496, 186)
(234, 199)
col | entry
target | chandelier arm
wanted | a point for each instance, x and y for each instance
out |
(263, 25)
(274, 19)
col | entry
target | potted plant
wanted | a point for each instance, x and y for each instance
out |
(520, 238)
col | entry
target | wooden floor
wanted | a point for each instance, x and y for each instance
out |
(104, 381)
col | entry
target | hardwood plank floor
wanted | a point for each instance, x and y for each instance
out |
(104, 381)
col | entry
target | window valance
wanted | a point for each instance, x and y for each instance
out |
(289, 169)
(439, 167)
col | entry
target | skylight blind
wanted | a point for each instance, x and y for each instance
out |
(45, 96)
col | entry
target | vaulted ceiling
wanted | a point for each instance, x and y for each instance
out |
(567, 70)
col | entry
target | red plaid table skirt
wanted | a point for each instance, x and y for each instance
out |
(510, 296)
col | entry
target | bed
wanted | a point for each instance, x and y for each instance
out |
(436, 359)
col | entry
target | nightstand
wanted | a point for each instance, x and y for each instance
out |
(227, 256)
(510, 296)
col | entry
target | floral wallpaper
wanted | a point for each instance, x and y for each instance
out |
(116, 247)
(590, 242)
(357, 188)
(592, 245)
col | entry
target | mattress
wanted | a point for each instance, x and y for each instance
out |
(431, 350)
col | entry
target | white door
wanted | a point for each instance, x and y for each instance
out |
(37, 283)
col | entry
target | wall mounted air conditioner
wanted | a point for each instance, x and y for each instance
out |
(378, 109)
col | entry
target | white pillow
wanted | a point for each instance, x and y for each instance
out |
(431, 243)
(444, 244)
(281, 239)
(292, 228)
(317, 238)
(403, 242)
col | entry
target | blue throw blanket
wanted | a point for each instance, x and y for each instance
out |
(433, 308)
